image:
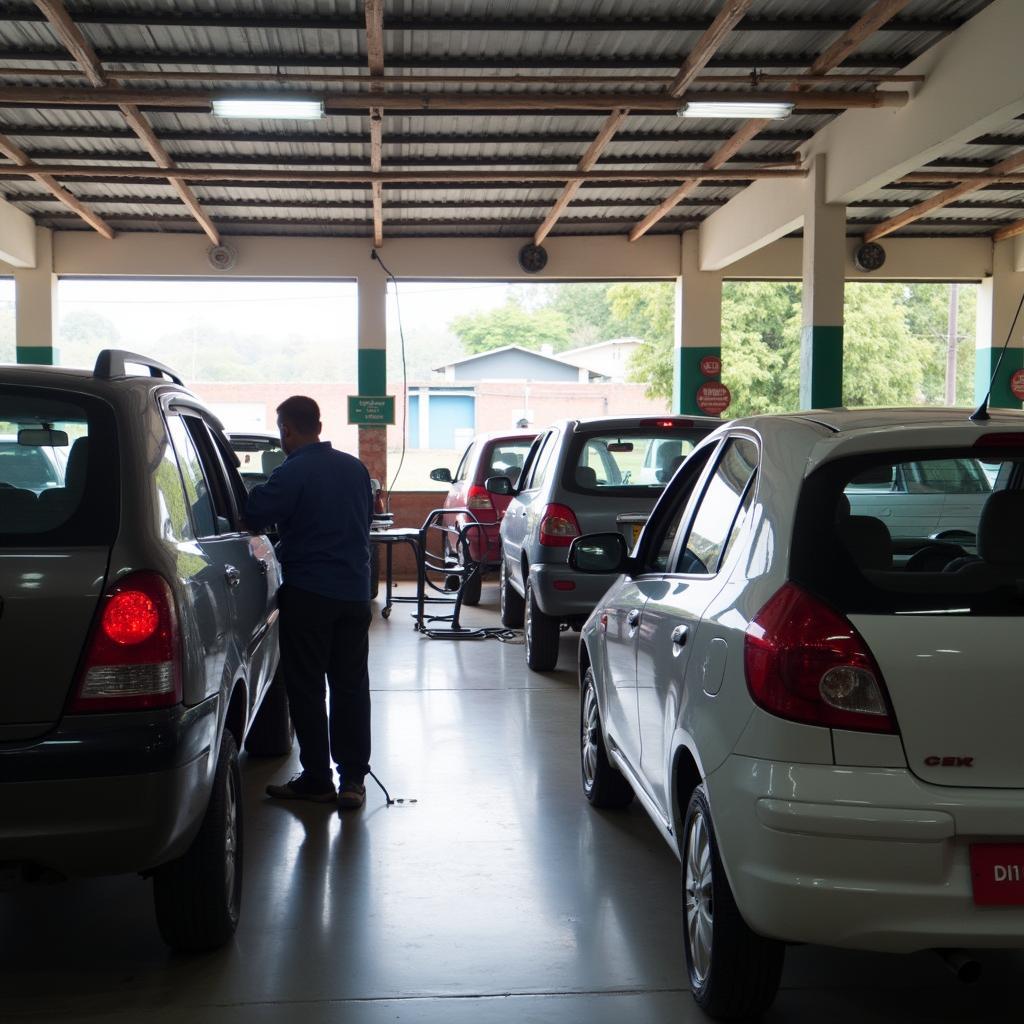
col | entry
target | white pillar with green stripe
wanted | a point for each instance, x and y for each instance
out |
(698, 329)
(35, 305)
(998, 299)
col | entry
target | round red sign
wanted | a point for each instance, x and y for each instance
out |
(1017, 385)
(710, 366)
(713, 398)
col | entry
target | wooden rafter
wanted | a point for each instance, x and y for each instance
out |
(941, 199)
(50, 183)
(713, 37)
(877, 15)
(75, 42)
(374, 10)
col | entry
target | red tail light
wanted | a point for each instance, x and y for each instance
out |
(478, 497)
(133, 658)
(558, 526)
(807, 663)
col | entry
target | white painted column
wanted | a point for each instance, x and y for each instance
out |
(697, 354)
(999, 295)
(372, 364)
(35, 310)
(824, 279)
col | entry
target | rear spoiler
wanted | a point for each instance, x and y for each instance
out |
(111, 364)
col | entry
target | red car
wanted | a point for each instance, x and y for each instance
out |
(497, 454)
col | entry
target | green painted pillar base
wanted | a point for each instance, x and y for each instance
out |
(821, 367)
(373, 373)
(985, 360)
(687, 377)
(37, 355)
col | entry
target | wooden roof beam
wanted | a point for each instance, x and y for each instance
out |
(874, 18)
(374, 11)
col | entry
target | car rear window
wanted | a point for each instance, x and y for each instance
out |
(915, 532)
(58, 469)
(631, 461)
(506, 458)
(257, 459)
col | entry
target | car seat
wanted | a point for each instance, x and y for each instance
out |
(270, 460)
(586, 477)
(57, 504)
(866, 538)
(1000, 552)
(19, 510)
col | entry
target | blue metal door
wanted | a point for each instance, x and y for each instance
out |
(449, 413)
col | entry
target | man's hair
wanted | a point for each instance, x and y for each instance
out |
(302, 414)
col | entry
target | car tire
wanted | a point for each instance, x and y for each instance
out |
(542, 635)
(272, 733)
(512, 606)
(198, 896)
(734, 973)
(603, 785)
(374, 570)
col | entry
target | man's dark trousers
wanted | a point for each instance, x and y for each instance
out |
(320, 637)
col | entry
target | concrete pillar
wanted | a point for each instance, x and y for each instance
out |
(35, 306)
(824, 273)
(698, 341)
(372, 365)
(998, 299)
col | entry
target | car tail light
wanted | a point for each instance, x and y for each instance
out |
(667, 424)
(806, 662)
(133, 658)
(478, 497)
(558, 526)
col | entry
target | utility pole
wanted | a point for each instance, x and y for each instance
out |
(951, 340)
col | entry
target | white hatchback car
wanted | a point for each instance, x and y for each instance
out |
(825, 724)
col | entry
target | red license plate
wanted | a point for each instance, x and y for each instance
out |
(997, 874)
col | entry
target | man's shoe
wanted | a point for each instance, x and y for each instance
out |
(351, 796)
(302, 787)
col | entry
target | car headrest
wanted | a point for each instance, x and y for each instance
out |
(77, 469)
(18, 509)
(868, 541)
(999, 539)
(586, 476)
(674, 465)
(270, 460)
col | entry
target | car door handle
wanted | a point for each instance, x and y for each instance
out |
(679, 635)
(232, 575)
(633, 618)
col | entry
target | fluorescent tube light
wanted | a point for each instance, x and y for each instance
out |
(728, 108)
(270, 109)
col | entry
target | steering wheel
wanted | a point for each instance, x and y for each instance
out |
(933, 557)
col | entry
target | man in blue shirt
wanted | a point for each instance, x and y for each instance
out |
(321, 503)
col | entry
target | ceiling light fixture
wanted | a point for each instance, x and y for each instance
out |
(729, 108)
(270, 109)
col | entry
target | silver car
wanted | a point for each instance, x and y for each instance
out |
(138, 634)
(580, 476)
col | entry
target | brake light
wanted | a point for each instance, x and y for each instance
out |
(133, 659)
(667, 424)
(558, 526)
(807, 663)
(1004, 440)
(478, 497)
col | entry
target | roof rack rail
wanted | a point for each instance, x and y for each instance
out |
(111, 363)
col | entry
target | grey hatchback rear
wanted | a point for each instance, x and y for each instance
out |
(580, 477)
(138, 636)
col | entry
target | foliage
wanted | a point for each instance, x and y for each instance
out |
(511, 324)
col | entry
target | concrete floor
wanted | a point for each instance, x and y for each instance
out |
(499, 896)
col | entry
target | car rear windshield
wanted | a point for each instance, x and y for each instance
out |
(257, 459)
(638, 460)
(915, 532)
(58, 469)
(505, 458)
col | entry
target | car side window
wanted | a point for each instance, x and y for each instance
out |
(463, 467)
(543, 463)
(197, 490)
(174, 517)
(718, 508)
(215, 473)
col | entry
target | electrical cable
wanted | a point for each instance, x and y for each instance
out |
(981, 413)
(374, 255)
(389, 799)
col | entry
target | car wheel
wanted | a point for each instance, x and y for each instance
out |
(272, 733)
(198, 896)
(512, 607)
(374, 570)
(603, 785)
(734, 973)
(542, 635)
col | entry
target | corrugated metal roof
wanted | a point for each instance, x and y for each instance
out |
(642, 39)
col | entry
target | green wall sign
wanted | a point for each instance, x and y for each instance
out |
(371, 410)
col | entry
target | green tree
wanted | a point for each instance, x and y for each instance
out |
(82, 334)
(512, 325)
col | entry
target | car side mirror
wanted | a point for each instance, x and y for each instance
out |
(500, 485)
(442, 476)
(599, 553)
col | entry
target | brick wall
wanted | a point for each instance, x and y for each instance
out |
(411, 508)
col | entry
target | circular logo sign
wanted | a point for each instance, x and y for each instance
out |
(713, 398)
(710, 366)
(1017, 385)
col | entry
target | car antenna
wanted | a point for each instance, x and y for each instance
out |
(980, 415)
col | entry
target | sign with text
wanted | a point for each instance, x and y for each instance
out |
(713, 398)
(371, 410)
(1017, 385)
(711, 366)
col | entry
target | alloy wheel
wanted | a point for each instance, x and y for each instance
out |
(699, 907)
(230, 836)
(588, 746)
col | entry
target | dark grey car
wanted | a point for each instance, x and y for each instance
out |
(138, 635)
(580, 476)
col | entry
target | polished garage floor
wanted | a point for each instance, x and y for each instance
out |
(499, 896)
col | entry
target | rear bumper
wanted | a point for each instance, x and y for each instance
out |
(865, 858)
(549, 583)
(107, 794)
